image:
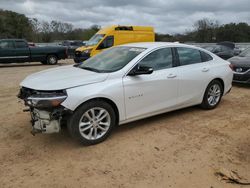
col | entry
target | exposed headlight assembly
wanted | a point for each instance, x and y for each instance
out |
(39, 101)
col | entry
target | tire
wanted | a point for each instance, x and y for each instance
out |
(85, 126)
(212, 96)
(51, 60)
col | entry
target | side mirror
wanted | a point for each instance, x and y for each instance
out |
(138, 70)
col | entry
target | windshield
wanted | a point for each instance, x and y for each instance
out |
(245, 53)
(112, 59)
(95, 39)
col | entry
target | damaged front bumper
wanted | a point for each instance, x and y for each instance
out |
(46, 112)
(45, 122)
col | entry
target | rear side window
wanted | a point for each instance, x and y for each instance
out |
(159, 59)
(188, 56)
(205, 57)
(21, 44)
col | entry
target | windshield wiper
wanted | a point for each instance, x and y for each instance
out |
(90, 69)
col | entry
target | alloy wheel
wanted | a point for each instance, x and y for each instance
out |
(94, 123)
(214, 94)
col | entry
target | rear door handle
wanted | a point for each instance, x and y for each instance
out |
(205, 69)
(171, 75)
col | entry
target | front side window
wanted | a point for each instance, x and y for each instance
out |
(112, 59)
(6, 44)
(188, 56)
(107, 42)
(21, 44)
(95, 39)
(159, 59)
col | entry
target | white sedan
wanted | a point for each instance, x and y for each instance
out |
(124, 84)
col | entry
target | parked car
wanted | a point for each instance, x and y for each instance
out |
(225, 50)
(72, 45)
(124, 84)
(241, 67)
(19, 51)
(113, 36)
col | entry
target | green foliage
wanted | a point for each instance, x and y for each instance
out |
(234, 32)
(14, 25)
(206, 30)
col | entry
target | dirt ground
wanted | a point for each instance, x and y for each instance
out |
(178, 149)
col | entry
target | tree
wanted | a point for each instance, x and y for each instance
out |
(205, 30)
(14, 25)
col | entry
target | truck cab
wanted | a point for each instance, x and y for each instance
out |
(113, 36)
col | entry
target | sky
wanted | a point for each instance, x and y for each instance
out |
(166, 16)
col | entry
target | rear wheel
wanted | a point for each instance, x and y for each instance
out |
(92, 122)
(51, 60)
(213, 94)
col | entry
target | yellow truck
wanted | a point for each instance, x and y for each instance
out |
(113, 36)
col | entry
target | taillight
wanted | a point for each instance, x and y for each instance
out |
(231, 66)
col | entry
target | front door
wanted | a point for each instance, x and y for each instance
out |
(150, 93)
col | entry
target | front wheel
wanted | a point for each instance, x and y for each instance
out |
(92, 122)
(51, 60)
(213, 94)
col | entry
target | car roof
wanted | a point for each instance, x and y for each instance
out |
(158, 44)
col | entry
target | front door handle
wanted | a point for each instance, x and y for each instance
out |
(205, 69)
(171, 75)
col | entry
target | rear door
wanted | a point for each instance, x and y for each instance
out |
(7, 51)
(194, 74)
(22, 51)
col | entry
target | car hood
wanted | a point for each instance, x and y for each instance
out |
(240, 61)
(83, 48)
(62, 78)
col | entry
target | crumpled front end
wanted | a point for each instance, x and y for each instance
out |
(46, 112)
